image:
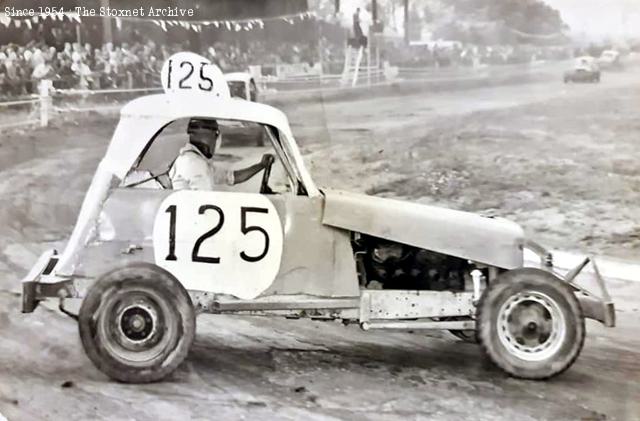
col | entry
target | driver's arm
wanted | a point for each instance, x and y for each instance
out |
(240, 176)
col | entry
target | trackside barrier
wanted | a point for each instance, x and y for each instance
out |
(22, 120)
(39, 109)
(102, 100)
(94, 100)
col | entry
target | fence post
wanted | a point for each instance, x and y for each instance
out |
(45, 101)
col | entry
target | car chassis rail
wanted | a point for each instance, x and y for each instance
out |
(595, 307)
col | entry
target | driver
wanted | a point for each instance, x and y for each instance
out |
(194, 168)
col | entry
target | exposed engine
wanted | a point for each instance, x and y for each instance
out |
(388, 265)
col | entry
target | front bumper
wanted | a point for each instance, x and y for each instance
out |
(598, 307)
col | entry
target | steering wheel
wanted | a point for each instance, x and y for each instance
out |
(264, 185)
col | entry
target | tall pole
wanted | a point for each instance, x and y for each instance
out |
(106, 24)
(406, 22)
(373, 36)
(374, 11)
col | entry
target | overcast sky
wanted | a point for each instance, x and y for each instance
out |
(597, 18)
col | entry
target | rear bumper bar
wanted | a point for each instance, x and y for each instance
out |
(33, 290)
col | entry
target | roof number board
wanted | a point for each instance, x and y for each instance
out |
(187, 72)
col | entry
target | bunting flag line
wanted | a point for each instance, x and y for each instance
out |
(236, 25)
(538, 36)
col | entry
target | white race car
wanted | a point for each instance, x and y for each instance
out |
(145, 258)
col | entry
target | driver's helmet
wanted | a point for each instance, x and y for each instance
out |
(201, 123)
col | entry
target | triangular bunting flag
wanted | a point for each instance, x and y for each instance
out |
(5, 20)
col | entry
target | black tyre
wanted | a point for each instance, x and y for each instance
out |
(530, 324)
(137, 323)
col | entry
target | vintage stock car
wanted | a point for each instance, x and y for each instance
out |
(242, 85)
(585, 69)
(145, 259)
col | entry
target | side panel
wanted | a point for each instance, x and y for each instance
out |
(316, 259)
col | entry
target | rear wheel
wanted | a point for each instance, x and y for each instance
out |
(137, 323)
(530, 324)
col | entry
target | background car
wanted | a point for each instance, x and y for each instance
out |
(242, 85)
(585, 69)
(609, 59)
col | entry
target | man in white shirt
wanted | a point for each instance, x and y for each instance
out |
(194, 168)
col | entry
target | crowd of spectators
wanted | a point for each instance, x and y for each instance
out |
(129, 65)
(138, 64)
(77, 66)
(237, 57)
(444, 54)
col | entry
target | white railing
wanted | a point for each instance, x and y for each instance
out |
(26, 118)
(14, 113)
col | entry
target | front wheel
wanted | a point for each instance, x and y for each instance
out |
(137, 323)
(530, 324)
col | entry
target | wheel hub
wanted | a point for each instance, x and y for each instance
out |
(531, 326)
(136, 323)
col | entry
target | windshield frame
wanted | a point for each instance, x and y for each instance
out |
(293, 175)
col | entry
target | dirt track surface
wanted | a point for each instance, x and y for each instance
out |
(558, 159)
